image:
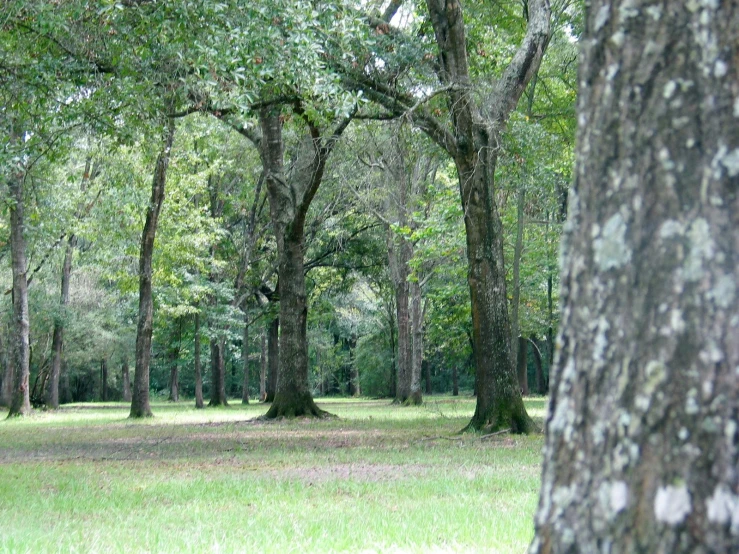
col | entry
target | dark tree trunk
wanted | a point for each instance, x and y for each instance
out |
(455, 380)
(263, 368)
(140, 399)
(218, 373)
(354, 388)
(20, 404)
(57, 343)
(245, 361)
(517, 255)
(174, 365)
(273, 348)
(473, 148)
(104, 380)
(540, 388)
(6, 389)
(126, 380)
(522, 368)
(642, 445)
(399, 258)
(198, 370)
(289, 200)
(550, 329)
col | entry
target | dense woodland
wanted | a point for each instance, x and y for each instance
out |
(189, 181)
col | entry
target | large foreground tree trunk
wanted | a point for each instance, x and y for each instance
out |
(140, 399)
(20, 402)
(642, 446)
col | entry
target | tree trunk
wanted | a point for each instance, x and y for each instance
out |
(263, 368)
(174, 365)
(245, 361)
(289, 200)
(642, 445)
(473, 145)
(455, 380)
(104, 380)
(540, 388)
(399, 258)
(522, 368)
(126, 380)
(57, 343)
(355, 389)
(140, 400)
(273, 348)
(218, 373)
(198, 371)
(6, 389)
(20, 404)
(416, 398)
(517, 254)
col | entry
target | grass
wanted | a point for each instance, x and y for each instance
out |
(380, 478)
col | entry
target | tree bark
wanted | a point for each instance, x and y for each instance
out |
(473, 146)
(6, 389)
(416, 397)
(57, 343)
(399, 259)
(218, 373)
(245, 361)
(290, 197)
(522, 366)
(20, 404)
(517, 254)
(540, 383)
(140, 399)
(104, 380)
(198, 371)
(642, 445)
(126, 380)
(263, 368)
(273, 348)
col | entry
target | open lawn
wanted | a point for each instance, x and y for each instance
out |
(380, 478)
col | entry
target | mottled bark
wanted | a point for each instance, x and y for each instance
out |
(20, 403)
(399, 260)
(125, 380)
(140, 398)
(642, 446)
(245, 361)
(273, 358)
(198, 368)
(217, 373)
(416, 398)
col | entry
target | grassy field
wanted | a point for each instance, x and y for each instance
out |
(380, 478)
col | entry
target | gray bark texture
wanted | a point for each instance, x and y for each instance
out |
(642, 442)
(57, 342)
(20, 401)
(140, 398)
(273, 359)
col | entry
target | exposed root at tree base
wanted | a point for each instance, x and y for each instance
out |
(304, 408)
(514, 425)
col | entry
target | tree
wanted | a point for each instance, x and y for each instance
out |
(642, 445)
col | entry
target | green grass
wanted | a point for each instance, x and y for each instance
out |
(380, 478)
